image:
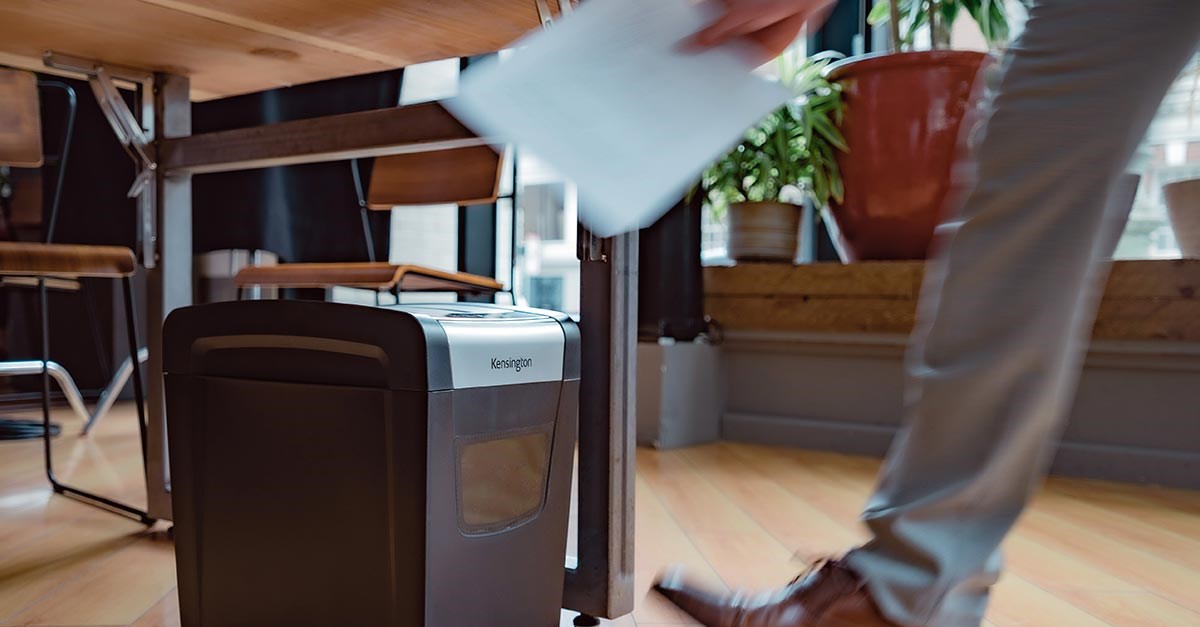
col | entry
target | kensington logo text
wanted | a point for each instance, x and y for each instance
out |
(512, 363)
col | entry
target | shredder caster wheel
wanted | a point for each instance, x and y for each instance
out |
(584, 620)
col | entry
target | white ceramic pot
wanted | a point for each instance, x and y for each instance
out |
(1183, 207)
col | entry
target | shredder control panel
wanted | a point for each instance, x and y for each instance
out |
(493, 345)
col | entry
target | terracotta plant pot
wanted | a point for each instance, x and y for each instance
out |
(903, 113)
(1183, 208)
(763, 231)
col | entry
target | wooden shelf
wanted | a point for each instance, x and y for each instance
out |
(1144, 300)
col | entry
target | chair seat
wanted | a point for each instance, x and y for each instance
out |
(65, 261)
(373, 275)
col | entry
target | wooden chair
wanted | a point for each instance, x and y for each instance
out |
(458, 176)
(40, 263)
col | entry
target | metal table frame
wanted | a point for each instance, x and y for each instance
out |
(160, 141)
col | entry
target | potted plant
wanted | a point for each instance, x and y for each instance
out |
(1183, 195)
(902, 118)
(787, 158)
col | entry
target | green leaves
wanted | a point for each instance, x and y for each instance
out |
(879, 13)
(795, 145)
(992, 19)
(990, 15)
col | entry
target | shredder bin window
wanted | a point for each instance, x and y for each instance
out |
(501, 478)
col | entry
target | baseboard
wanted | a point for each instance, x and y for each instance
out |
(840, 437)
(1179, 469)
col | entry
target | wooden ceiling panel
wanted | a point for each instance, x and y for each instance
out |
(231, 47)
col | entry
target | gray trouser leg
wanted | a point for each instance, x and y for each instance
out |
(1009, 300)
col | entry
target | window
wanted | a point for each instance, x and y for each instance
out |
(1176, 153)
(546, 269)
(544, 208)
(427, 235)
(546, 292)
(1171, 152)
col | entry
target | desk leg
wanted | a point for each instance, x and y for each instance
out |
(169, 282)
(601, 584)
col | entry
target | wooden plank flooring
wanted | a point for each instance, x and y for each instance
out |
(1087, 553)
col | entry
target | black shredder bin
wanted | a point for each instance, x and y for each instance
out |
(347, 465)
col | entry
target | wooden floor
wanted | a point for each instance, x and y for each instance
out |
(1086, 554)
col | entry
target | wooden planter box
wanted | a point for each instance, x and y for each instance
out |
(813, 358)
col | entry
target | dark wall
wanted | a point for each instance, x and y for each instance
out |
(670, 278)
(93, 209)
(304, 212)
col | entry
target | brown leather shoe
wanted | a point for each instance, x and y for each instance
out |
(829, 595)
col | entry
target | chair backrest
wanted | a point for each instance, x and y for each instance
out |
(20, 120)
(461, 176)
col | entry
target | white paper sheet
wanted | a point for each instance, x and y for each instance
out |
(608, 99)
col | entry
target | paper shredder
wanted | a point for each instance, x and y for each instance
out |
(339, 464)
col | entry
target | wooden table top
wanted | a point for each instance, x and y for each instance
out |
(230, 47)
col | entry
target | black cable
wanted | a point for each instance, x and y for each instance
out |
(72, 106)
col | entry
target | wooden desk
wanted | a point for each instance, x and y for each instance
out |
(176, 51)
(229, 47)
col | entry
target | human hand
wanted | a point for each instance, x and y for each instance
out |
(770, 25)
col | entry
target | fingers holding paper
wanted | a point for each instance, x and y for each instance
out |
(770, 25)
